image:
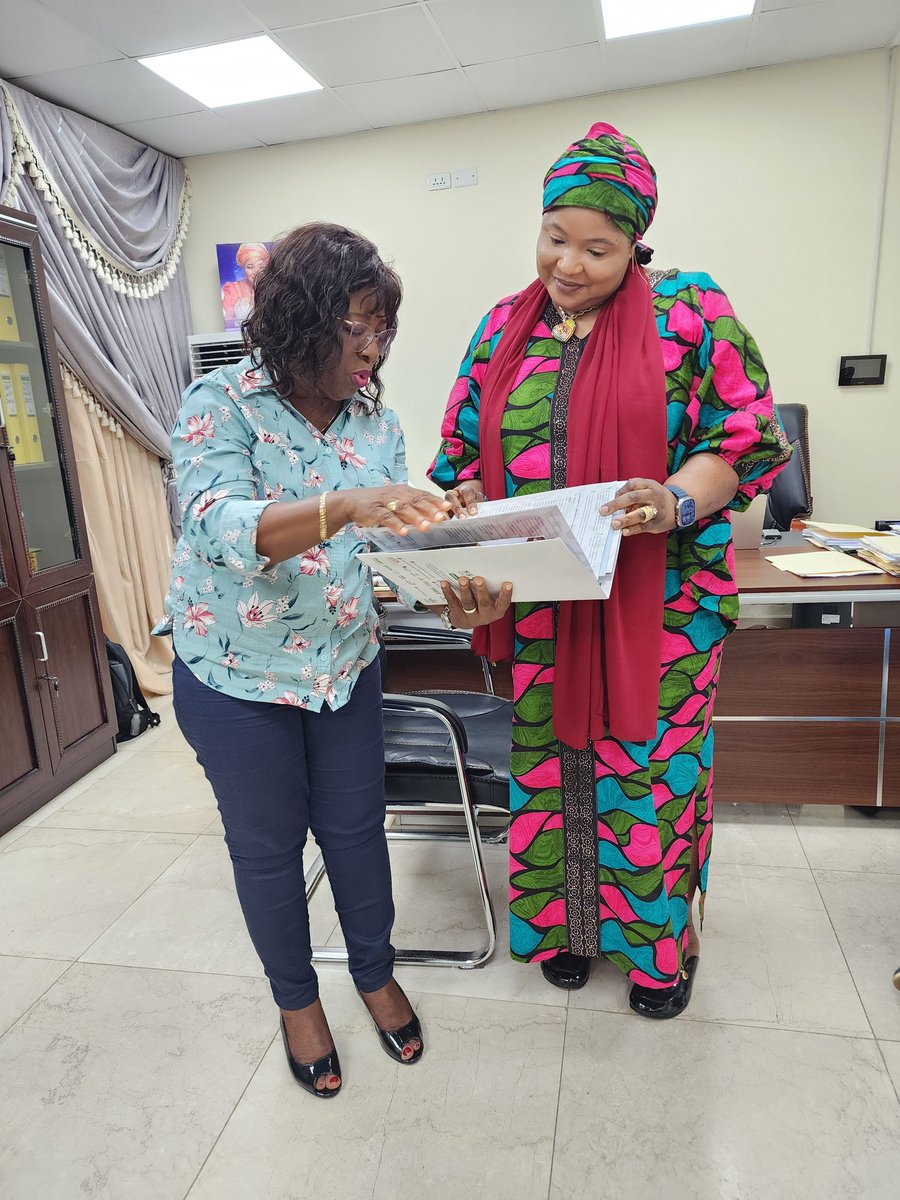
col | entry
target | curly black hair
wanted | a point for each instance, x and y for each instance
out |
(303, 294)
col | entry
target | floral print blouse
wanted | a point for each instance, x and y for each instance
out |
(301, 631)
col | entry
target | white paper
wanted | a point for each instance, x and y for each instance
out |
(544, 570)
(551, 546)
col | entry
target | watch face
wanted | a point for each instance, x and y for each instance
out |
(687, 512)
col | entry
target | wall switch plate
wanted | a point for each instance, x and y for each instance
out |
(439, 182)
(465, 177)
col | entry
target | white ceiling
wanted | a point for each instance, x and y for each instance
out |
(390, 62)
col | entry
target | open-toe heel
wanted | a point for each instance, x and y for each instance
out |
(306, 1074)
(395, 1041)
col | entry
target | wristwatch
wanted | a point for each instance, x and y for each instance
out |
(685, 508)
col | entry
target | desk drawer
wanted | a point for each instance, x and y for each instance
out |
(797, 762)
(802, 673)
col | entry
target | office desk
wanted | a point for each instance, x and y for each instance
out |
(807, 716)
(810, 715)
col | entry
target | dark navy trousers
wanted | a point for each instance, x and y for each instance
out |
(279, 772)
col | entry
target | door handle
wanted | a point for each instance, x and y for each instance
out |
(43, 642)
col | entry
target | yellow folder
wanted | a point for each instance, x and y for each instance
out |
(9, 330)
(28, 412)
(9, 402)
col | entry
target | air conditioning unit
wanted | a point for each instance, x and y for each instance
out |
(211, 350)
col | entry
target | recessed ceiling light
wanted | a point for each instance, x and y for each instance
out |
(624, 18)
(233, 72)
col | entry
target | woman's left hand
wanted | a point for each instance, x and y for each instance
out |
(474, 605)
(632, 502)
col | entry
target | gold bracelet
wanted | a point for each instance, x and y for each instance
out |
(323, 519)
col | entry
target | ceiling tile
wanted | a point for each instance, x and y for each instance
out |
(35, 40)
(295, 118)
(419, 98)
(190, 133)
(114, 92)
(153, 28)
(673, 54)
(381, 45)
(277, 14)
(479, 32)
(817, 30)
(553, 75)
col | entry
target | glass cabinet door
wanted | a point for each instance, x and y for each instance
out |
(29, 418)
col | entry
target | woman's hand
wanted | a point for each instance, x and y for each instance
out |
(396, 506)
(465, 498)
(632, 499)
(475, 605)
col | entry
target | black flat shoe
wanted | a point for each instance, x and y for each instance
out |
(393, 1041)
(661, 1004)
(566, 970)
(306, 1074)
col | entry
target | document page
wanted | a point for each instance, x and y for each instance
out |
(551, 546)
(570, 514)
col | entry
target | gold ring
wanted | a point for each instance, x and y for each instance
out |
(648, 513)
(469, 611)
(393, 505)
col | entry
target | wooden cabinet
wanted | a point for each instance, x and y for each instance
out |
(56, 713)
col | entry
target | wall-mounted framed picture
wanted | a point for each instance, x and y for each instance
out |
(239, 266)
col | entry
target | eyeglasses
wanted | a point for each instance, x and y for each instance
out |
(362, 336)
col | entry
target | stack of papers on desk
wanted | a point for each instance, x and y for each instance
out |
(837, 537)
(883, 551)
(550, 546)
(821, 564)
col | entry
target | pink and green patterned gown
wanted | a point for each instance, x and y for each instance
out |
(601, 838)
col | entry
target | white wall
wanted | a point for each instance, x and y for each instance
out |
(769, 180)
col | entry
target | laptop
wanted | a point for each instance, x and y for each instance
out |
(747, 527)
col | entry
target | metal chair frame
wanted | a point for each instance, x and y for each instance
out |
(413, 637)
(463, 959)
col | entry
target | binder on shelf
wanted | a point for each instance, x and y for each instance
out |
(9, 402)
(9, 330)
(28, 413)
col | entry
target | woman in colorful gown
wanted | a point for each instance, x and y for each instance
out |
(601, 371)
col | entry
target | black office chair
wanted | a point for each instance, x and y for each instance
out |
(446, 754)
(791, 494)
(427, 634)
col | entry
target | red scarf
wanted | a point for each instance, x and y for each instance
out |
(608, 652)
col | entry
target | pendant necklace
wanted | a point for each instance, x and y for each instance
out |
(564, 329)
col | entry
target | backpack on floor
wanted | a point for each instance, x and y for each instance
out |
(133, 713)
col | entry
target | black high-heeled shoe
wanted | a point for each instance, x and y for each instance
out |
(394, 1041)
(565, 970)
(306, 1074)
(661, 1004)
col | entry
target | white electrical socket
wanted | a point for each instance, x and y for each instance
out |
(465, 177)
(439, 182)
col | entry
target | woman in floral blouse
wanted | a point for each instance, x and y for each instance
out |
(280, 460)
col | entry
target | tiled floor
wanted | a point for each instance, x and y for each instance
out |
(138, 1057)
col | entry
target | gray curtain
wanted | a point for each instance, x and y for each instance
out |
(112, 215)
(6, 147)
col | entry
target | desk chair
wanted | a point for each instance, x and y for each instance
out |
(423, 631)
(791, 494)
(446, 754)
